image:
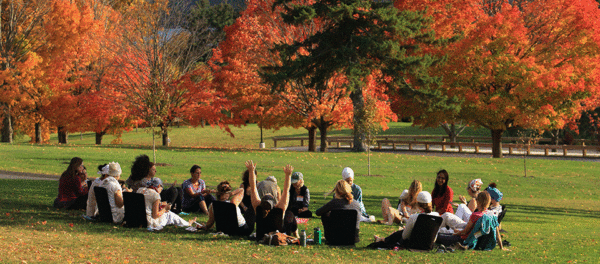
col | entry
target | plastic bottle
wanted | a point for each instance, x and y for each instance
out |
(317, 236)
(303, 238)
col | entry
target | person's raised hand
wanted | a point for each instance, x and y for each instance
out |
(250, 165)
(288, 169)
(462, 199)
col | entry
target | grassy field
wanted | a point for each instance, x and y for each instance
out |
(553, 212)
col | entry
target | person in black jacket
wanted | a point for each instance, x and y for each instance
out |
(299, 197)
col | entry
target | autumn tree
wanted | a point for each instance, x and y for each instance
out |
(248, 51)
(358, 37)
(161, 78)
(525, 64)
(19, 22)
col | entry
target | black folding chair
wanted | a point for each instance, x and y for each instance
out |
(424, 232)
(135, 210)
(340, 227)
(225, 217)
(104, 212)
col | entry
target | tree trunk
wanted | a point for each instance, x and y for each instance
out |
(358, 102)
(497, 143)
(7, 130)
(165, 138)
(99, 136)
(38, 132)
(323, 130)
(312, 138)
(62, 136)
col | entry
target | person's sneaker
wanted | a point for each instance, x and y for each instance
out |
(183, 213)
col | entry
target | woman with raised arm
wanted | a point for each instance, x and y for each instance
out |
(271, 216)
(226, 194)
(465, 209)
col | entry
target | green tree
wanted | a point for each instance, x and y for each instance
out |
(358, 38)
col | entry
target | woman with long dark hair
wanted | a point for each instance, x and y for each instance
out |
(271, 215)
(72, 187)
(442, 194)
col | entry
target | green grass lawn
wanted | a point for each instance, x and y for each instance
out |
(553, 212)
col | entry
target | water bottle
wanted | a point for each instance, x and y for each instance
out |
(303, 238)
(317, 236)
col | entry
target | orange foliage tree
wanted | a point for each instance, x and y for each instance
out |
(520, 64)
(241, 58)
(160, 76)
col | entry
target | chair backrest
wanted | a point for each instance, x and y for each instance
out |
(424, 232)
(135, 210)
(225, 217)
(105, 214)
(501, 214)
(342, 229)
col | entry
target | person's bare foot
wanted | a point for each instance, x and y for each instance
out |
(192, 221)
(378, 238)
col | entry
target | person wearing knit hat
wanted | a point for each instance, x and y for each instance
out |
(299, 196)
(400, 237)
(496, 196)
(115, 192)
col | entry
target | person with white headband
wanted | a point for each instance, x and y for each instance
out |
(92, 208)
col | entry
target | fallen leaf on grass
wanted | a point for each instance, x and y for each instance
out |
(71, 224)
(255, 256)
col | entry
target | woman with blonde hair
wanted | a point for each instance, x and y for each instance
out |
(406, 205)
(399, 238)
(343, 199)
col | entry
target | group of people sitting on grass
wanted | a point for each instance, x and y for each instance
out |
(264, 205)
(458, 231)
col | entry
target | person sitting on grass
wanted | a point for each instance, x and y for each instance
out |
(348, 176)
(271, 216)
(92, 207)
(142, 172)
(299, 197)
(115, 192)
(342, 199)
(196, 198)
(158, 213)
(406, 205)
(457, 239)
(72, 187)
(399, 238)
(225, 194)
(465, 209)
(496, 196)
(442, 194)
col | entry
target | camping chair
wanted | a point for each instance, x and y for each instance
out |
(424, 232)
(340, 227)
(135, 210)
(226, 218)
(104, 211)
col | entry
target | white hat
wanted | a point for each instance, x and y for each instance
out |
(424, 197)
(114, 169)
(404, 194)
(347, 173)
(104, 170)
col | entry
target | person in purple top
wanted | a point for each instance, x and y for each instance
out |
(196, 198)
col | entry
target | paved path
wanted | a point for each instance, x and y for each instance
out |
(27, 176)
